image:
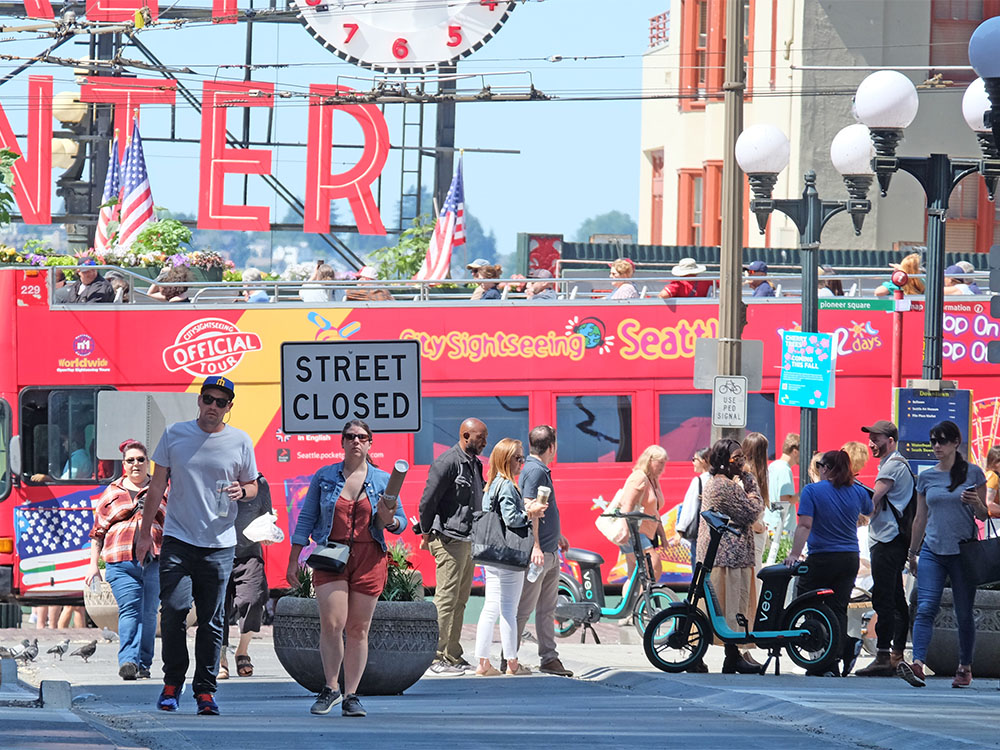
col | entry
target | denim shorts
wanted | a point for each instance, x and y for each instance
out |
(646, 542)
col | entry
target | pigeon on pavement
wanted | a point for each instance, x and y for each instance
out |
(59, 649)
(28, 653)
(85, 652)
(109, 635)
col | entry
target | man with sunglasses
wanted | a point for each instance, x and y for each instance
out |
(210, 465)
(889, 537)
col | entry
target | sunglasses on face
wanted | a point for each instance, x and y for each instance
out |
(354, 436)
(939, 441)
(519, 459)
(136, 460)
(222, 403)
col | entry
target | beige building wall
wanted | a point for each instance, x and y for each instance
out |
(808, 33)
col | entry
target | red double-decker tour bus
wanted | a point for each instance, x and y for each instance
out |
(611, 376)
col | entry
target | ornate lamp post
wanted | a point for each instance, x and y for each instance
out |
(886, 102)
(762, 152)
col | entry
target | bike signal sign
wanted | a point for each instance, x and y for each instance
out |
(729, 401)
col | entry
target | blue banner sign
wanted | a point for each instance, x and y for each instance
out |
(807, 367)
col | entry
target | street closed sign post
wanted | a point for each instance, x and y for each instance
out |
(327, 383)
(729, 401)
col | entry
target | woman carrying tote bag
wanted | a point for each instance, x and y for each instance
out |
(503, 587)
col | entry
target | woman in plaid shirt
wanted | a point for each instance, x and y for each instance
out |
(135, 583)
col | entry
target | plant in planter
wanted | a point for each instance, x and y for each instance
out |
(402, 638)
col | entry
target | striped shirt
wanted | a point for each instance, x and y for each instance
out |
(117, 518)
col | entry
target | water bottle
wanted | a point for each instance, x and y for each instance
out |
(222, 497)
(95, 584)
(533, 572)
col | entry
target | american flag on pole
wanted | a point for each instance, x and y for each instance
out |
(136, 198)
(449, 232)
(53, 542)
(112, 186)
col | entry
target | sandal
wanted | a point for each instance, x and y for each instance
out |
(244, 667)
(223, 671)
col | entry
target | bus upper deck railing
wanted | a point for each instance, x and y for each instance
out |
(135, 287)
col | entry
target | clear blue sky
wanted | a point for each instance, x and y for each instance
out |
(576, 159)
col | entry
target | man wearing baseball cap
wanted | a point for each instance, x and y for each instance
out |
(210, 466)
(889, 537)
(761, 288)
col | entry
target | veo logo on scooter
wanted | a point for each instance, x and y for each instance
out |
(765, 606)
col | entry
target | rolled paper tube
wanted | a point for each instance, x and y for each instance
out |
(399, 470)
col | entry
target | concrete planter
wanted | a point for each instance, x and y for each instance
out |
(942, 654)
(402, 642)
(103, 608)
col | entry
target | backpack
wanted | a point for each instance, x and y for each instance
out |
(904, 519)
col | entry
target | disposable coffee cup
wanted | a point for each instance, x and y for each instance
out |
(222, 497)
(543, 494)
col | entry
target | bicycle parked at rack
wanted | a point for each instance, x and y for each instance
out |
(583, 603)
(678, 636)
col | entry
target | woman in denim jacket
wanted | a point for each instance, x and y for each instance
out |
(339, 508)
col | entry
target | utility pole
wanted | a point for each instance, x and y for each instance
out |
(732, 312)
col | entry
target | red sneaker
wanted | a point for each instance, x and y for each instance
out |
(913, 673)
(963, 678)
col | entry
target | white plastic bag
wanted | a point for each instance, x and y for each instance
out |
(264, 529)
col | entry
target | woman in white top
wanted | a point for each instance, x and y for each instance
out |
(687, 516)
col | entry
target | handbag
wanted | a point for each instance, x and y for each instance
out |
(980, 558)
(496, 544)
(691, 532)
(330, 557)
(615, 529)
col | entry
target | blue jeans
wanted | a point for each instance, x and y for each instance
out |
(199, 574)
(932, 570)
(137, 591)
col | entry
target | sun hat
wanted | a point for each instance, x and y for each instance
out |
(368, 272)
(688, 267)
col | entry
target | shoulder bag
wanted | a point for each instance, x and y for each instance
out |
(980, 558)
(496, 544)
(614, 529)
(332, 557)
(691, 532)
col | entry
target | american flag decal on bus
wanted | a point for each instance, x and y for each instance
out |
(53, 542)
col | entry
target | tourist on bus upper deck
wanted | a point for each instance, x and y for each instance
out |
(760, 287)
(969, 280)
(953, 281)
(91, 287)
(732, 491)
(828, 519)
(642, 492)
(254, 295)
(909, 265)
(314, 292)
(828, 285)
(950, 497)
(543, 288)
(489, 287)
(681, 287)
(346, 503)
(622, 271)
(61, 294)
(366, 290)
(134, 583)
(171, 284)
(474, 268)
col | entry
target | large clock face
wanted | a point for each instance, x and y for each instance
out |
(403, 36)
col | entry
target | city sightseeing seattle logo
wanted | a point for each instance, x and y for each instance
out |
(210, 346)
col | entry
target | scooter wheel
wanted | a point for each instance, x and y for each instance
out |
(661, 597)
(676, 638)
(569, 592)
(818, 651)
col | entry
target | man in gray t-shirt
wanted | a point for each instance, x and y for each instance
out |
(889, 546)
(211, 467)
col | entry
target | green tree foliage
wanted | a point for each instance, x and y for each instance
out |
(613, 222)
(7, 159)
(403, 260)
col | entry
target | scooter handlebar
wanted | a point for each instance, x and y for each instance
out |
(632, 514)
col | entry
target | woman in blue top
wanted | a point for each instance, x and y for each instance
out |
(950, 497)
(828, 518)
(503, 587)
(346, 504)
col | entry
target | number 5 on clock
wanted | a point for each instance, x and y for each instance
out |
(454, 36)
(351, 29)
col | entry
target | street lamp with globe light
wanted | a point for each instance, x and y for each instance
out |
(762, 151)
(886, 101)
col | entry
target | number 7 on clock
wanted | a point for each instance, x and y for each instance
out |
(351, 29)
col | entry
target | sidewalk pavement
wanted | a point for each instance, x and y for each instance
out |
(616, 699)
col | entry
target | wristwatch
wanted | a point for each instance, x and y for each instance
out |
(244, 495)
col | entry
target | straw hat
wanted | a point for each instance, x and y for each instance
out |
(688, 267)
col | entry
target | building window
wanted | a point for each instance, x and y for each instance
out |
(686, 422)
(952, 24)
(594, 429)
(656, 207)
(712, 202)
(440, 419)
(973, 223)
(703, 50)
(699, 215)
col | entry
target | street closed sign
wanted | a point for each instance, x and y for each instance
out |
(327, 383)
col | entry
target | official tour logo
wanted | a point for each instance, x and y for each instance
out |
(210, 346)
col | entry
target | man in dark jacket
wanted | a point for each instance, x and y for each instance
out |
(454, 491)
(90, 287)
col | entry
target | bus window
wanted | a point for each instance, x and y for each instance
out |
(58, 430)
(686, 422)
(594, 428)
(440, 418)
(5, 425)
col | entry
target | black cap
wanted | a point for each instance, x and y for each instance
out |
(883, 427)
